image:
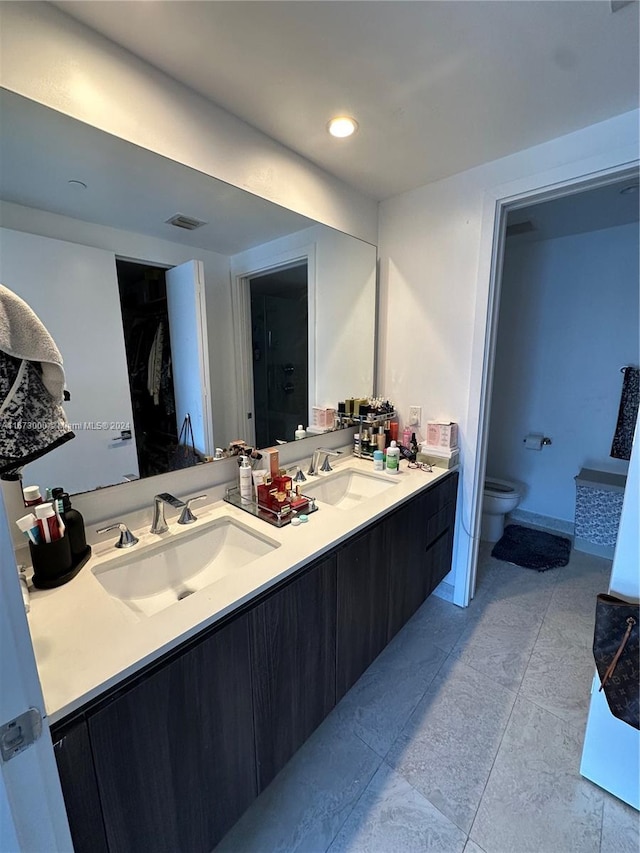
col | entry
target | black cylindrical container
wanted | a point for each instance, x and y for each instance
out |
(52, 563)
(74, 524)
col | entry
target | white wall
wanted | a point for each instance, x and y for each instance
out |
(77, 236)
(74, 291)
(568, 322)
(435, 248)
(51, 58)
(345, 286)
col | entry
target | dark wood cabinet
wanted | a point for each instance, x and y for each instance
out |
(170, 760)
(72, 750)
(417, 556)
(362, 596)
(293, 652)
(174, 754)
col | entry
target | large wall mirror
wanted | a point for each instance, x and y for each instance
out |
(86, 241)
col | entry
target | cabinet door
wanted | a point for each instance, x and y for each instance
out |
(363, 593)
(405, 545)
(174, 754)
(293, 654)
(80, 790)
(440, 552)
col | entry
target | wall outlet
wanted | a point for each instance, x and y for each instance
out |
(415, 415)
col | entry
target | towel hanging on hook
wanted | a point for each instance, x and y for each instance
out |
(627, 414)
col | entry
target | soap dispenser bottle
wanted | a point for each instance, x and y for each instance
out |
(74, 524)
(393, 458)
(246, 481)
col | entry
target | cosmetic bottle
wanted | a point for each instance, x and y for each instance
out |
(32, 495)
(246, 481)
(300, 432)
(381, 439)
(393, 458)
(406, 436)
(74, 524)
(378, 460)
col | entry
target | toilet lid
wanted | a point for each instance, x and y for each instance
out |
(498, 486)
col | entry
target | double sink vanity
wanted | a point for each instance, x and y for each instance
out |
(182, 673)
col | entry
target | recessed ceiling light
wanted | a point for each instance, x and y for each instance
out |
(632, 188)
(342, 126)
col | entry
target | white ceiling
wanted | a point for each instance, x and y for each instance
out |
(437, 87)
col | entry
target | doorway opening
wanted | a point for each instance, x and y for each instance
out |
(145, 321)
(518, 212)
(280, 346)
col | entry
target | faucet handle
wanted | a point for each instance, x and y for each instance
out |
(186, 516)
(126, 540)
(325, 465)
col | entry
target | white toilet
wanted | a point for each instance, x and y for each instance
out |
(500, 497)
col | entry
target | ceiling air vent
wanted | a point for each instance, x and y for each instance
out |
(520, 228)
(186, 222)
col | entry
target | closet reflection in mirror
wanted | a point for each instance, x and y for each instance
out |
(60, 247)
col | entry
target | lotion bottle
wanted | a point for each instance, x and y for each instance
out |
(393, 458)
(246, 480)
(300, 432)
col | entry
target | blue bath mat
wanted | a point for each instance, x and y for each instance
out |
(532, 549)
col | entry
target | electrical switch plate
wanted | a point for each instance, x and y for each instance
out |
(415, 415)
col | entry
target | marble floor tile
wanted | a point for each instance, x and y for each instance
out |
(620, 827)
(528, 589)
(559, 677)
(309, 800)
(535, 799)
(499, 642)
(447, 748)
(382, 700)
(445, 621)
(472, 847)
(391, 816)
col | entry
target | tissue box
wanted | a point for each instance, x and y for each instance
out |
(438, 457)
(442, 435)
(323, 416)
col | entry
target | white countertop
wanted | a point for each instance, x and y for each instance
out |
(86, 641)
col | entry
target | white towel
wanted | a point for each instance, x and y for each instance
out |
(23, 335)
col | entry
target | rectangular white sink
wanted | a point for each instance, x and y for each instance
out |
(347, 489)
(159, 576)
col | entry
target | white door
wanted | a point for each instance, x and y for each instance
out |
(190, 350)
(32, 814)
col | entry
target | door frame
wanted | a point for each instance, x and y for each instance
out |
(31, 776)
(241, 276)
(498, 203)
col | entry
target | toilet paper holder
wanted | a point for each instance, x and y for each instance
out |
(536, 441)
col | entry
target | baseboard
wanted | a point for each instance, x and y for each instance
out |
(587, 547)
(544, 522)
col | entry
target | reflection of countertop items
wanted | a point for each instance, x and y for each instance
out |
(86, 641)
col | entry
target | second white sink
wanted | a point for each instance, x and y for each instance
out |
(157, 577)
(347, 489)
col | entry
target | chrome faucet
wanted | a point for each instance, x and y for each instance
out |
(313, 467)
(159, 524)
(127, 538)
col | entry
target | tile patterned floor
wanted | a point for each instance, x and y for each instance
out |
(464, 736)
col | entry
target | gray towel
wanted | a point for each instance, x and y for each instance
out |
(23, 336)
(627, 414)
